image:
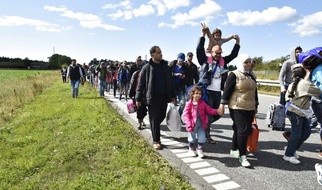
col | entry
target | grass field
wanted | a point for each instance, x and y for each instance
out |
(56, 142)
(8, 74)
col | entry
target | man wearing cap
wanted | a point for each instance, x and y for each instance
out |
(179, 80)
(210, 75)
(192, 74)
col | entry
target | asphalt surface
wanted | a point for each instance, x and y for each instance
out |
(218, 170)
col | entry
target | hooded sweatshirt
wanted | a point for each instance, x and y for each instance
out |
(285, 75)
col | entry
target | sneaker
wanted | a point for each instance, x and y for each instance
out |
(291, 159)
(318, 169)
(200, 153)
(234, 153)
(192, 152)
(287, 135)
(243, 161)
(295, 154)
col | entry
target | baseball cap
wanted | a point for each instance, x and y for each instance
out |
(181, 57)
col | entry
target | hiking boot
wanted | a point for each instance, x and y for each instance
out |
(200, 153)
(234, 153)
(287, 135)
(318, 169)
(243, 161)
(139, 127)
(291, 159)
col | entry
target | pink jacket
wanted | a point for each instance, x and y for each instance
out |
(189, 115)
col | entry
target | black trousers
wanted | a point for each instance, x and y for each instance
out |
(157, 113)
(214, 98)
(242, 126)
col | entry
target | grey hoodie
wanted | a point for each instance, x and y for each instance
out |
(285, 76)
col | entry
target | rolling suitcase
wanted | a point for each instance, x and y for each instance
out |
(275, 116)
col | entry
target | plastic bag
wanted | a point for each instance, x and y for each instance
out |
(131, 106)
(173, 118)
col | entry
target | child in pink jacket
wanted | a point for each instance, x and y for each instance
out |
(195, 116)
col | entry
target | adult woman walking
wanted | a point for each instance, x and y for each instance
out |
(240, 94)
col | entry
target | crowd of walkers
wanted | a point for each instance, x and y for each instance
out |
(201, 94)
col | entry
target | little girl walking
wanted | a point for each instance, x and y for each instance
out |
(195, 117)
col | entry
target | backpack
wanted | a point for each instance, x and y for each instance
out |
(123, 76)
(311, 58)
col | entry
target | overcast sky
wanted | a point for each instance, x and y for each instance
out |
(123, 30)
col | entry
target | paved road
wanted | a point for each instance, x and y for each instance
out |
(220, 171)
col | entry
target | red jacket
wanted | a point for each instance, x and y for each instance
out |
(189, 115)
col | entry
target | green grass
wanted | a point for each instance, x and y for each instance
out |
(9, 74)
(56, 142)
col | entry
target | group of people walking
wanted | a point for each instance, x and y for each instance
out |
(202, 94)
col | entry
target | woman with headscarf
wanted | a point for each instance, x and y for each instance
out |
(240, 94)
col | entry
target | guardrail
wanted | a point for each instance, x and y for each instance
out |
(268, 82)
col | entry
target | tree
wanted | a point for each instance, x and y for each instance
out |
(56, 61)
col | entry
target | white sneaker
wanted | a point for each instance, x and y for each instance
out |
(243, 161)
(291, 159)
(295, 154)
(234, 153)
(318, 169)
(200, 153)
(192, 152)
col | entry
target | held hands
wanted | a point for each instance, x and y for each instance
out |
(221, 109)
(138, 104)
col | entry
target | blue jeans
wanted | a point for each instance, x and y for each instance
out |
(75, 86)
(102, 87)
(301, 131)
(181, 96)
(199, 133)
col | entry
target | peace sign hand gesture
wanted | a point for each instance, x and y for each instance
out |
(204, 29)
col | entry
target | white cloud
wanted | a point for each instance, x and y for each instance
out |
(128, 13)
(38, 24)
(310, 25)
(164, 5)
(270, 15)
(124, 4)
(125, 11)
(86, 20)
(143, 10)
(202, 13)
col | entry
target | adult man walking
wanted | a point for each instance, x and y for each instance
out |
(155, 88)
(75, 74)
(210, 75)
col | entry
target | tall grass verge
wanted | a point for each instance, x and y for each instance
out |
(17, 91)
(56, 142)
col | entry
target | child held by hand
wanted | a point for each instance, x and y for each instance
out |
(195, 116)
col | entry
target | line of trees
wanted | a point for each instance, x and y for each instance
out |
(56, 61)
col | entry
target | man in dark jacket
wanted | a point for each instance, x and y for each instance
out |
(155, 88)
(75, 74)
(192, 74)
(210, 74)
